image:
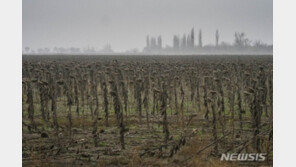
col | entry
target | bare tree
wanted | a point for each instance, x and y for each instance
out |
(217, 38)
(159, 42)
(241, 40)
(200, 39)
(192, 38)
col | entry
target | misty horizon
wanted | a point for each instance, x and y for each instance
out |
(125, 24)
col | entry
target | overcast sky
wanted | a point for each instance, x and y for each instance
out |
(125, 23)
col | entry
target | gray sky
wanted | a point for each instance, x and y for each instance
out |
(125, 23)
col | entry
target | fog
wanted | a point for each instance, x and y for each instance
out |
(124, 24)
